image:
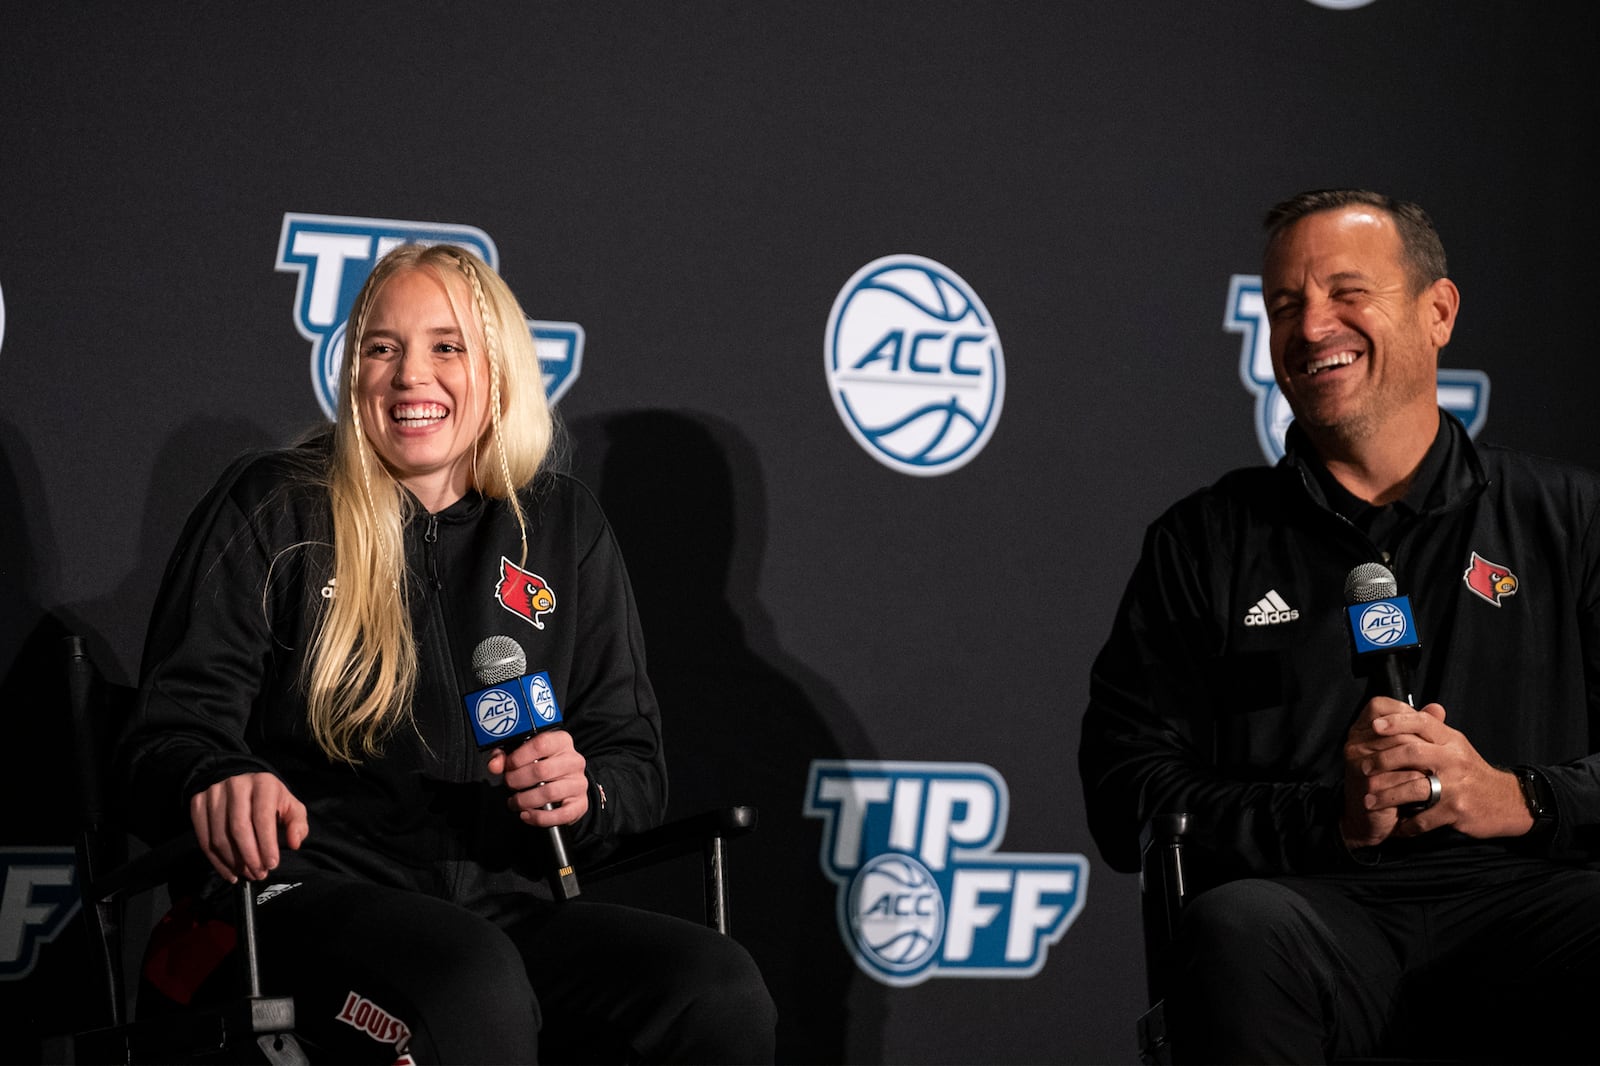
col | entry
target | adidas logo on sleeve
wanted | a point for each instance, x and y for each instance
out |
(1270, 610)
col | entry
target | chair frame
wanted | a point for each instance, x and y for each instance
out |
(1163, 890)
(108, 878)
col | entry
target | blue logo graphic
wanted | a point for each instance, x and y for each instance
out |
(38, 897)
(1464, 393)
(914, 365)
(543, 699)
(497, 713)
(922, 890)
(512, 709)
(896, 913)
(1382, 625)
(333, 255)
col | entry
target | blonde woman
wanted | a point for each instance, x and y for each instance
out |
(301, 715)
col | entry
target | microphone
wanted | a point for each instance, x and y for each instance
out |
(511, 707)
(1383, 632)
(1382, 629)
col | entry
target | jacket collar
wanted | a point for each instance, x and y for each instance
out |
(463, 510)
(1459, 478)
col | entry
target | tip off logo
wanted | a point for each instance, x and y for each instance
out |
(922, 887)
(914, 365)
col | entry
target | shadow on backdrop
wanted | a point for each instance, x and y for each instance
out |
(37, 802)
(37, 813)
(743, 720)
(186, 467)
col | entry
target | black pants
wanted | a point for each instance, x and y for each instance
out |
(378, 974)
(1483, 963)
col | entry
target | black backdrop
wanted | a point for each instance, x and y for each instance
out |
(694, 183)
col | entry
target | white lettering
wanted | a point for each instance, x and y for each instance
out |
(967, 915)
(331, 251)
(1028, 916)
(18, 911)
(853, 795)
(904, 814)
(975, 800)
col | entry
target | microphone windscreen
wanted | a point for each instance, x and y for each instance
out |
(1368, 582)
(498, 658)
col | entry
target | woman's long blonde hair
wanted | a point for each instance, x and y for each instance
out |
(362, 669)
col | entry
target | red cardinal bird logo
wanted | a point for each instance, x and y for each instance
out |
(524, 594)
(1490, 580)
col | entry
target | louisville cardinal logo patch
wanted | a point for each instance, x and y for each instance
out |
(1489, 580)
(524, 594)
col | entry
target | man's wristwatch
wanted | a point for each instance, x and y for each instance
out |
(1537, 795)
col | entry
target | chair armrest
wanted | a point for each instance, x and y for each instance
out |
(1163, 891)
(705, 833)
(682, 836)
(143, 872)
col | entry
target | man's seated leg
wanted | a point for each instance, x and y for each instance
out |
(1517, 976)
(1278, 971)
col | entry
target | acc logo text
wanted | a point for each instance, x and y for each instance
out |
(914, 365)
(1383, 625)
(922, 892)
(333, 254)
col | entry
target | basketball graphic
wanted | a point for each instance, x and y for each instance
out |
(896, 913)
(914, 365)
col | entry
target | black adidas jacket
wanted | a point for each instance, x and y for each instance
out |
(1243, 725)
(221, 688)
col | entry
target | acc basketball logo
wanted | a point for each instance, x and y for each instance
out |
(334, 254)
(543, 699)
(1464, 393)
(524, 594)
(1491, 581)
(914, 365)
(38, 897)
(922, 892)
(497, 712)
(1383, 624)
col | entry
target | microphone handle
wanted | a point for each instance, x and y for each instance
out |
(563, 878)
(1398, 679)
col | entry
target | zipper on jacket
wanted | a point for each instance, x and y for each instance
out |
(430, 537)
(454, 755)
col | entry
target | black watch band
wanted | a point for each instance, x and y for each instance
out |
(1537, 795)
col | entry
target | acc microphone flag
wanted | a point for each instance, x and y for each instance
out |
(1380, 618)
(1383, 632)
(1383, 626)
(503, 715)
